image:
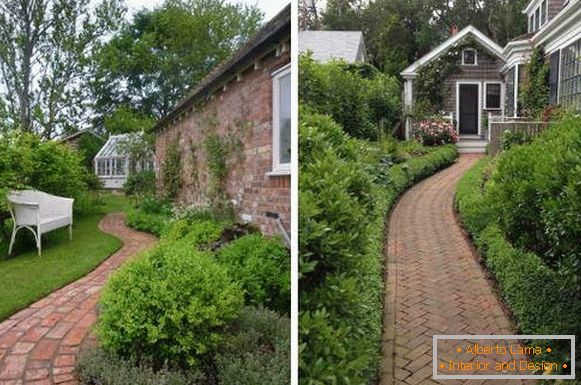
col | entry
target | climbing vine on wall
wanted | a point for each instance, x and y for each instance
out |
(430, 83)
(172, 169)
(535, 88)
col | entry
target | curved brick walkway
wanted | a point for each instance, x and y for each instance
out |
(434, 284)
(39, 344)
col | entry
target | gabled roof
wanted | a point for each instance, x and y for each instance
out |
(328, 45)
(79, 133)
(111, 148)
(481, 38)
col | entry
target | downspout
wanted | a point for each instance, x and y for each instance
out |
(276, 217)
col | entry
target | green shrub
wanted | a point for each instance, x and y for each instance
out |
(193, 234)
(341, 228)
(534, 192)
(49, 166)
(169, 306)
(256, 350)
(528, 285)
(357, 103)
(151, 215)
(262, 266)
(96, 366)
(510, 139)
(140, 184)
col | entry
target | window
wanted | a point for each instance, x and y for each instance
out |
(543, 12)
(570, 82)
(531, 23)
(537, 18)
(469, 57)
(119, 166)
(281, 114)
(103, 167)
(493, 91)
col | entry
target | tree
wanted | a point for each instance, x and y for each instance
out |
(44, 50)
(151, 64)
(343, 15)
(309, 18)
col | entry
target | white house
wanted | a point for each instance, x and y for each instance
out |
(329, 45)
(485, 87)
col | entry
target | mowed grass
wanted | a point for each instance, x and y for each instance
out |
(26, 277)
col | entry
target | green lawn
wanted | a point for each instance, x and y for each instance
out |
(27, 277)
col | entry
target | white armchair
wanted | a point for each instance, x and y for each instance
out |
(32, 209)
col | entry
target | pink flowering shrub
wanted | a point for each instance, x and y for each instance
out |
(435, 132)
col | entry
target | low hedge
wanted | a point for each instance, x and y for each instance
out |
(341, 231)
(531, 289)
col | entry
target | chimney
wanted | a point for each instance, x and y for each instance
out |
(454, 29)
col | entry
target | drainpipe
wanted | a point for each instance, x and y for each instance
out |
(276, 217)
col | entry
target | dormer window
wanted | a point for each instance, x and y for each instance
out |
(469, 57)
(538, 16)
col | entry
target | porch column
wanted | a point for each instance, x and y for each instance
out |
(408, 98)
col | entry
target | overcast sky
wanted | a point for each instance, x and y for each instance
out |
(269, 7)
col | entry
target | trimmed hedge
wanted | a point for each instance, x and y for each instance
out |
(341, 230)
(533, 291)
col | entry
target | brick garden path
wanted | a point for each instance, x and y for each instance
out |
(434, 285)
(39, 344)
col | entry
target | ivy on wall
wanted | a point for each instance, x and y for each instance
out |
(535, 89)
(172, 169)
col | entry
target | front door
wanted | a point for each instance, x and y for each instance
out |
(468, 114)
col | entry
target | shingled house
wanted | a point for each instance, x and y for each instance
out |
(325, 46)
(241, 112)
(485, 85)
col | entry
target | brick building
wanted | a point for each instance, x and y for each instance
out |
(485, 86)
(241, 113)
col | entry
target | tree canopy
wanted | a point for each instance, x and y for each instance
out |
(398, 32)
(156, 58)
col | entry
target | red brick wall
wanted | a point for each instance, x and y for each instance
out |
(242, 110)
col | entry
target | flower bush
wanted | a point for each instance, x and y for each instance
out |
(435, 132)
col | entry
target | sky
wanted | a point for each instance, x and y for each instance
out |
(269, 7)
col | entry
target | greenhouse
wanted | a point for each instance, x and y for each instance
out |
(113, 162)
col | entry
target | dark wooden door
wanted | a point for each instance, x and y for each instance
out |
(468, 109)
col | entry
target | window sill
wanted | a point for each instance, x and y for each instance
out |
(279, 173)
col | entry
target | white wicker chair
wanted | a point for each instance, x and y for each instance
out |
(35, 209)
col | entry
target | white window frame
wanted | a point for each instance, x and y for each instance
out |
(485, 96)
(470, 82)
(277, 167)
(475, 57)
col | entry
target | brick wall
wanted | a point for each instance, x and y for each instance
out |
(242, 109)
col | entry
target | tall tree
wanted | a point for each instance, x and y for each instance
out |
(309, 16)
(161, 54)
(343, 14)
(44, 50)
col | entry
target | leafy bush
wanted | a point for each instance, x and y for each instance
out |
(28, 162)
(169, 306)
(510, 139)
(140, 184)
(435, 132)
(357, 103)
(256, 350)
(528, 285)
(341, 225)
(96, 366)
(151, 215)
(193, 234)
(262, 266)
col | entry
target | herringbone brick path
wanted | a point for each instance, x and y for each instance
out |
(39, 345)
(434, 284)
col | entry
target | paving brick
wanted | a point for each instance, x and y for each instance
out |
(39, 345)
(428, 256)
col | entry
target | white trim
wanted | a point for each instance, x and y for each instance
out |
(278, 71)
(473, 82)
(516, 78)
(482, 39)
(561, 29)
(486, 83)
(277, 167)
(559, 76)
(475, 57)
